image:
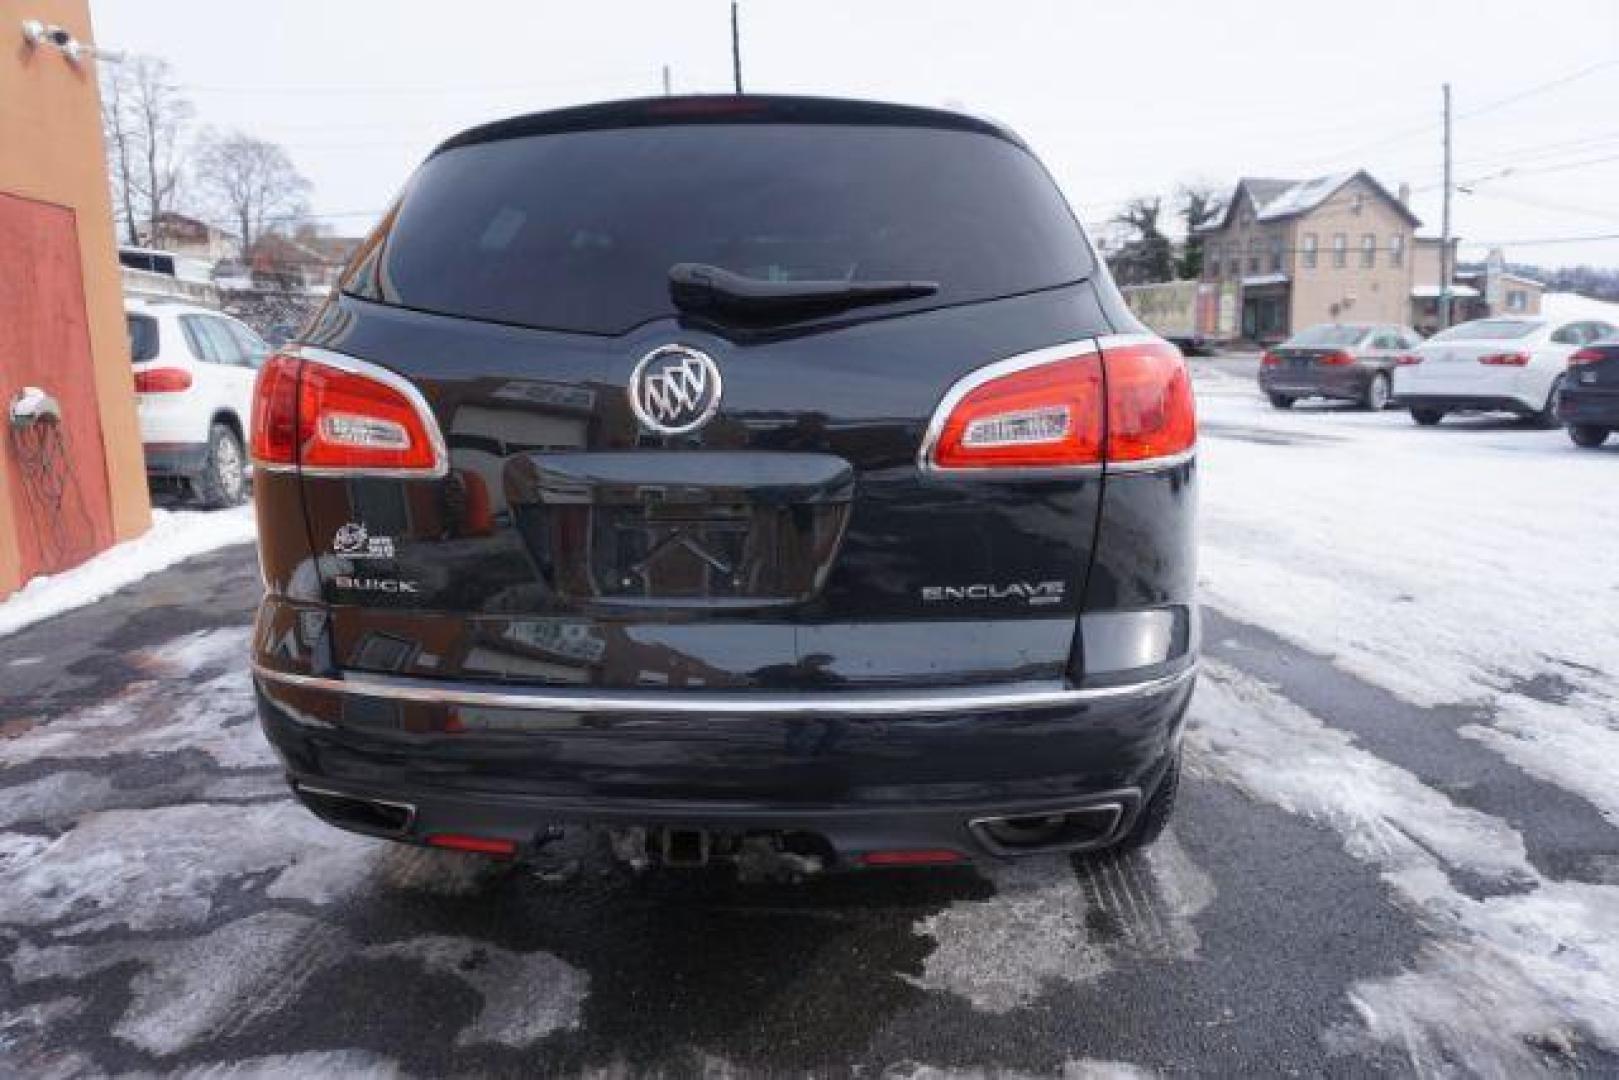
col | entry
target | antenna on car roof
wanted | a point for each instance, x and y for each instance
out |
(736, 48)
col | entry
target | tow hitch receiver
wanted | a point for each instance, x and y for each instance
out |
(757, 856)
(687, 848)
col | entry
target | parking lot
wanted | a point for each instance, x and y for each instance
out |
(1396, 852)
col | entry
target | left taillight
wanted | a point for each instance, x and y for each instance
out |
(1129, 402)
(163, 380)
(329, 415)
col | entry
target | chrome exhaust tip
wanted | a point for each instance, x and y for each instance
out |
(1081, 828)
(380, 817)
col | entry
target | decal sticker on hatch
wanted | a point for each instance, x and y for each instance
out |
(354, 541)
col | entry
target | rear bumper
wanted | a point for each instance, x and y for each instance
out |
(175, 459)
(1343, 383)
(1591, 408)
(1466, 403)
(862, 771)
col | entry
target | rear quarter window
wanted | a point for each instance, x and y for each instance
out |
(143, 338)
(577, 231)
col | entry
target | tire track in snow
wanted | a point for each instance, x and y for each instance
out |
(1060, 920)
(1512, 982)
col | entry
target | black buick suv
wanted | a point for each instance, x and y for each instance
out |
(730, 477)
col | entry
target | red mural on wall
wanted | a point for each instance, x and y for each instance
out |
(55, 463)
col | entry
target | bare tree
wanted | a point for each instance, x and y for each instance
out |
(1147, 254)
(1198, 205)
(119, 136)
(143, 118)
(253, 183)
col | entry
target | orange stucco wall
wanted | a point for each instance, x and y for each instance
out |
(51, 151)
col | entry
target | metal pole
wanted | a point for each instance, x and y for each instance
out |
(1446, 270)
(666, 90)
(736, 49)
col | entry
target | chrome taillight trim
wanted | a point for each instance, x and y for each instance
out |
(989, 373)
(1022, 362)
(723, 703)
(394, 381)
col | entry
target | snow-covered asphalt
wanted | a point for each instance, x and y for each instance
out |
(1397, 853)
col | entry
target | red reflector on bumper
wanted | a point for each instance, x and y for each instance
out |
(916, 857)
(481, 845)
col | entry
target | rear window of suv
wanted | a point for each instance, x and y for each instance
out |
(577, 231)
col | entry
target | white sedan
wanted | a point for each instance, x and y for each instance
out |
(194, 372)
(1507, 364)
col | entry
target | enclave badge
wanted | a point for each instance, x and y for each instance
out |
(675, 389)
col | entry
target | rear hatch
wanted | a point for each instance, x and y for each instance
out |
(787, 539)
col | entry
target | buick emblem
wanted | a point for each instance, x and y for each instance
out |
(675, 389)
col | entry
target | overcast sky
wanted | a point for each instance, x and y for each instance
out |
(1119, 98)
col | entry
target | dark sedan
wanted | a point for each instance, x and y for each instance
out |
(1589, 404)
(1337, 361)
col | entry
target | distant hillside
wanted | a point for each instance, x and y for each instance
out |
(1573, 306)
(1595, 281)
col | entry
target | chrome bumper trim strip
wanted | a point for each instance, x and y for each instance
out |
(721, 703)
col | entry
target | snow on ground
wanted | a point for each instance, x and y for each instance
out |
(175, 535)
(1568, 305)
(1469, 563)
(1504, 977)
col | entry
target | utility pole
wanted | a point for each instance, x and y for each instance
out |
(1446, 271)
(736, 49)
(666, 90)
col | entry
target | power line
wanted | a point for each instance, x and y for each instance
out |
(1585, 211)
(1533, 90)
(1499, 103)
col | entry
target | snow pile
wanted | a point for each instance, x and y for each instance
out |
(1567, 305)
(175, 535)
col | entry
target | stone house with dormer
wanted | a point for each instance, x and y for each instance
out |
(1334, 248)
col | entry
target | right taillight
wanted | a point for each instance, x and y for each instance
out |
(1150, 411)
(1408, 359)
(274, 427)
(1505, 359)
(1587, 356)
(1129, 402)
(1339, 358)
(325, 414)
(163, 380)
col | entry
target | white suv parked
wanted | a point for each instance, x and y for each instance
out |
(194, 372)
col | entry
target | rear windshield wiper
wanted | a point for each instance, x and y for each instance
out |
(711, 290)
